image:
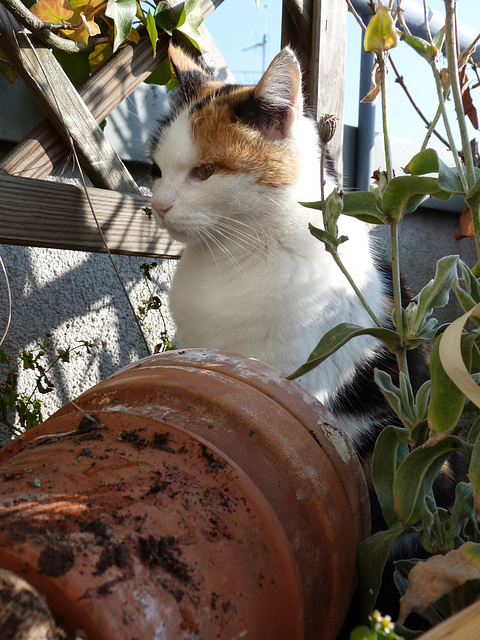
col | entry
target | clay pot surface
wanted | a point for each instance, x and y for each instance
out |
(195, 494)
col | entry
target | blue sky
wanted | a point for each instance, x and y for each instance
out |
(237, 24)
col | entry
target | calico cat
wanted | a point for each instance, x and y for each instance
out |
(230, 166)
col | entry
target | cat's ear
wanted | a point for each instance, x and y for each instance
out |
(189, 74)
(277, 99)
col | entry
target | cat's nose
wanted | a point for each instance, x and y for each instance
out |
(161, 210)
(162, 204)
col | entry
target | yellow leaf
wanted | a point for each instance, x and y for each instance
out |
(451, 357)
(56, 11)
(90, 26)
(430, 580)
(133, 36)
(381, 34)
(99, 55)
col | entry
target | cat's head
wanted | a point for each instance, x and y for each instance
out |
(228, 151)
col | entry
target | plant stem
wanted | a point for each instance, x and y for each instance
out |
(451, 141)
(359, 294)
(397, 287)
(323, 150)
(451, 51)
(386, 139)
(397, 299)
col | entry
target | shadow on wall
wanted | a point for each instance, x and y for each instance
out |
(76, 296)
(425, 237)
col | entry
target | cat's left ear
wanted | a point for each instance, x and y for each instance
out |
(189, 74)
(280, 91)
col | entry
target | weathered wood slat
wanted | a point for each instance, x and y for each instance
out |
(462, 626)
(41, 213)
(323, 58)
(42, 74)
(326, 82)
(42, 148)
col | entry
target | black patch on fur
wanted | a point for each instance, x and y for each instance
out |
(188, 84)
(218, 93)
(260, 115)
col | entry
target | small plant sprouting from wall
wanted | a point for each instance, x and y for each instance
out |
(26, 405)
(152, 302)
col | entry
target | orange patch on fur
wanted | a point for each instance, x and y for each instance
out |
(236, 147)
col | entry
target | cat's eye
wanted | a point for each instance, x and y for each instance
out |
(156, 171)
(204, 171)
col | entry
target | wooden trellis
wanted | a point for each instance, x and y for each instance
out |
(36, 212)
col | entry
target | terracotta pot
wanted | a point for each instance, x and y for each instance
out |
(195, 494)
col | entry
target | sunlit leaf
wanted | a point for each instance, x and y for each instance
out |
(152, 30)
(381, 34)
(90, 26)
(122, 12)
(452, 360)
(337, 337)
(421, 46)
(404, 194)
(190, 19)
(363, 205)
(56, 11)
(99, 55)
(428, 161)
(435, 294)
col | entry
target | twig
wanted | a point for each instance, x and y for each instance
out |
(401, 82)
(41, 30)
(427, 24)
(351, 8)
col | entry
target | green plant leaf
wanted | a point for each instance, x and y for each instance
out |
(421, 46)
(163, 17)
(326, 237)
(404, 194)
(122, 13)
(463, 509)
(446, 399)
(337, 337)
(416, 474)
(161, 75)
(435, 294)
(381, 34)
(474, 469)
(438, 38)
(363, 205)
(372, 556)
(390, 449)
(152, 30)
(76, 67)
(428, 161)
(189, 21)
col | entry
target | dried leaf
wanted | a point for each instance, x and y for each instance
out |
(376, 84)
(452, 360)
(469, 107)
(90, 26)
(466, 225)
(430, 580)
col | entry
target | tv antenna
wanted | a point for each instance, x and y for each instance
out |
(262, 43)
